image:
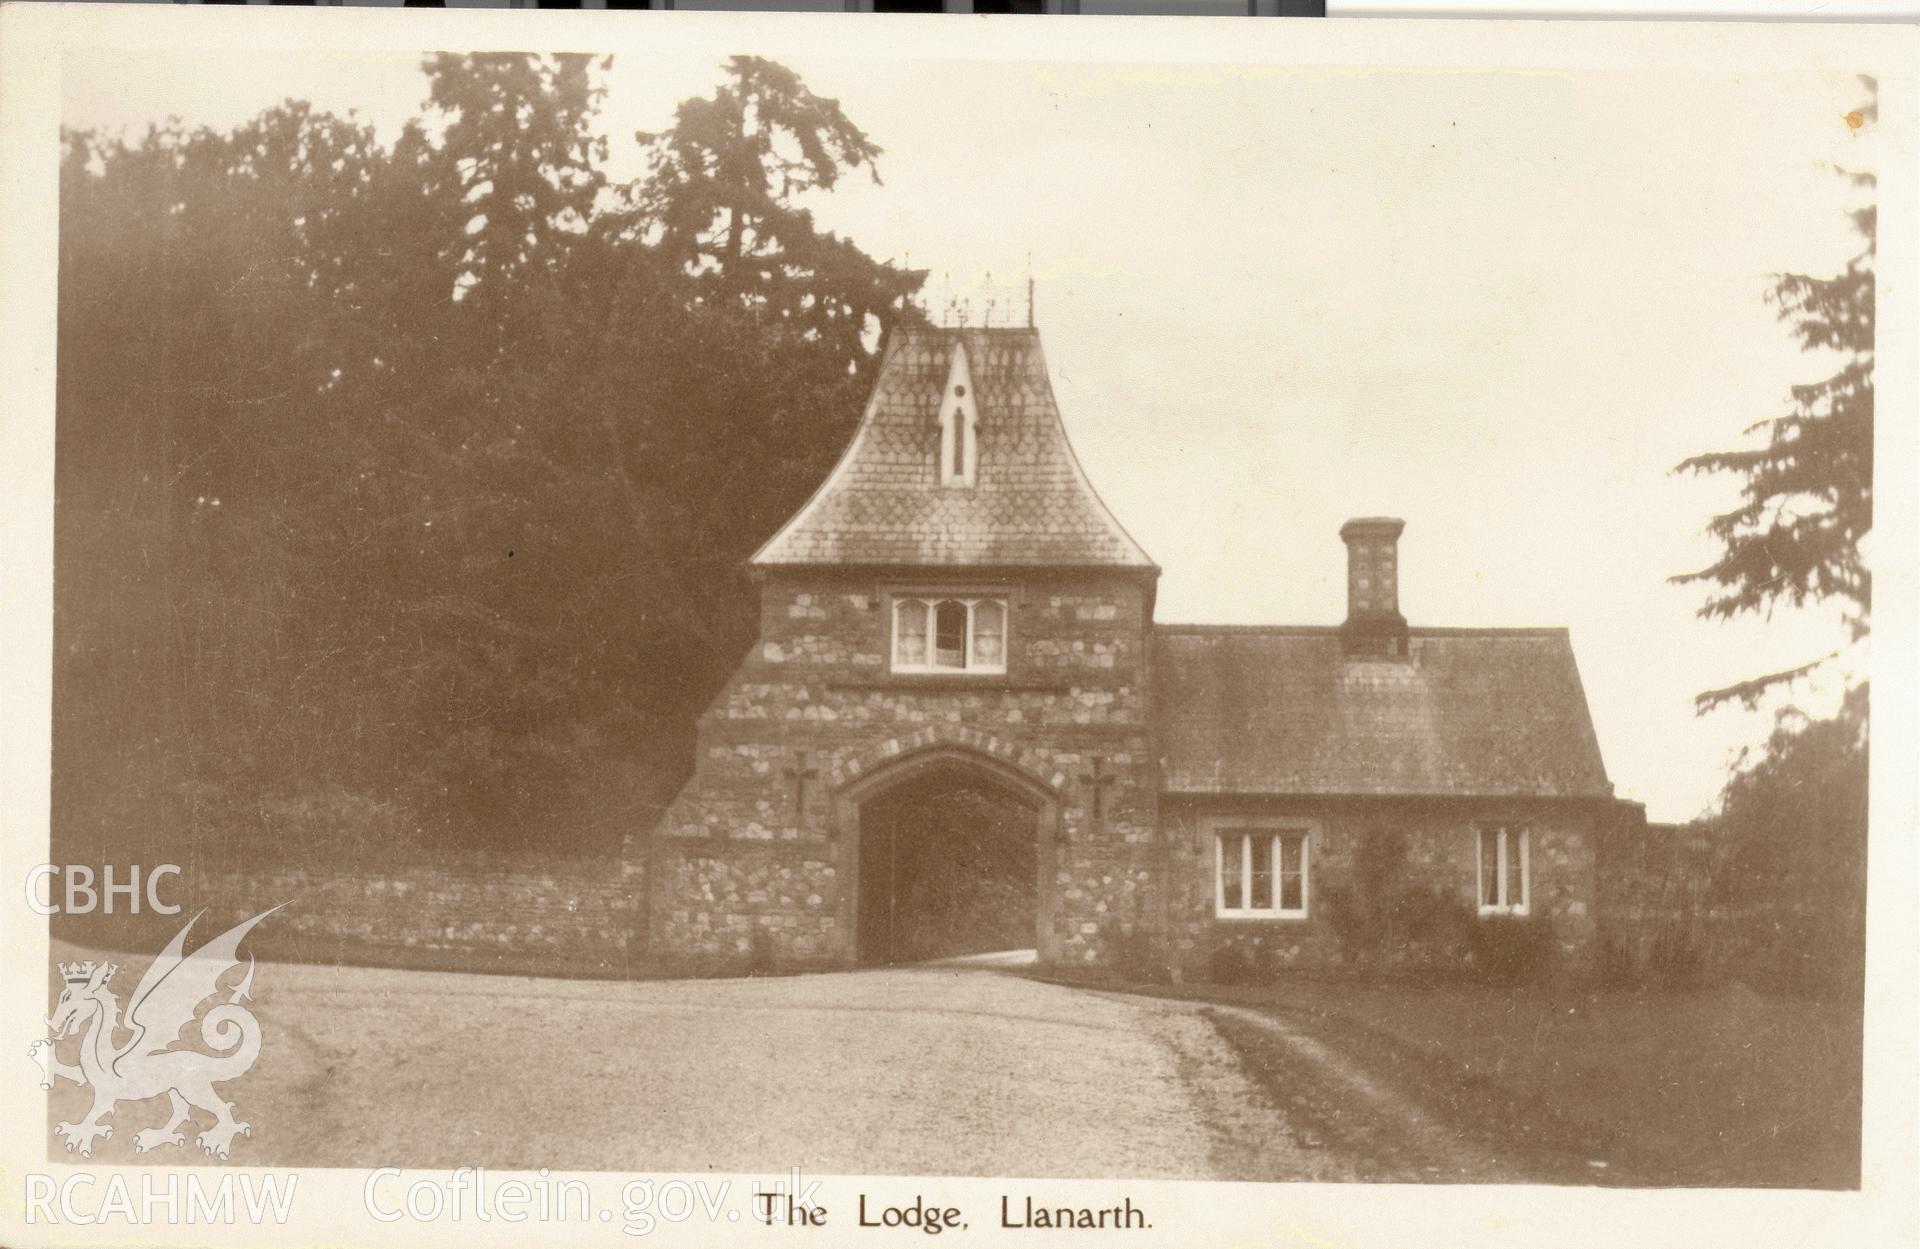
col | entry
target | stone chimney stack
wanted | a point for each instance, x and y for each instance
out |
(1374, 627)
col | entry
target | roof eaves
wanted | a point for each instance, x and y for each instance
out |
(763, 557)
(1258, 630)
(1198, 790)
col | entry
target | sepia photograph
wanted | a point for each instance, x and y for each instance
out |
(689, 600)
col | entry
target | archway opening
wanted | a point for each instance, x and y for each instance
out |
(949, 865)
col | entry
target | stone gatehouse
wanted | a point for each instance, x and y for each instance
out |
(961, 727)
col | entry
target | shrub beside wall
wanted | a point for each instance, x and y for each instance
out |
(1400, 927)
(1512, 949)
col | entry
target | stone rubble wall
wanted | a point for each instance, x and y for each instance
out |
(1656, 891)
(1676, 908)
(477, 914)
(750, 867)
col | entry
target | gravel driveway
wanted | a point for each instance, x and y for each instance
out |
(934, 1070)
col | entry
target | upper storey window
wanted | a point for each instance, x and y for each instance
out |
(950, 635)
(959, 424)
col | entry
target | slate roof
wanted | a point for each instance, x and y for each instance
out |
(1480, 712)
(1029, 506)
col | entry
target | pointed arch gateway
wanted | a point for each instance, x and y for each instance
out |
(947, 850)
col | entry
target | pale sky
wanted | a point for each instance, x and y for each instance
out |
(1500, 305)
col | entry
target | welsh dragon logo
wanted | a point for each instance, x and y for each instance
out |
(162, 1007)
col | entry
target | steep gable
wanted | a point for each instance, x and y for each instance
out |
(894, 499)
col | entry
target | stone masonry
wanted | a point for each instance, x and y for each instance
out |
(761, 844)
(955, 598)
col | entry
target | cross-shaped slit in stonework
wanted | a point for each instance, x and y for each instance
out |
(1097, 781)
(800, 774)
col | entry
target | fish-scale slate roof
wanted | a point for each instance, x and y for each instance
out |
(1029, 505)
(1481, 712)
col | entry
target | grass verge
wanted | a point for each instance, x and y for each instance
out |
(1718, 1087)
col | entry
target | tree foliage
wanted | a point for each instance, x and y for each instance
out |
(1806, 498)
(521, 157)
(1791, 821)
(403, 488)
(726, 200)
(1793, 824)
